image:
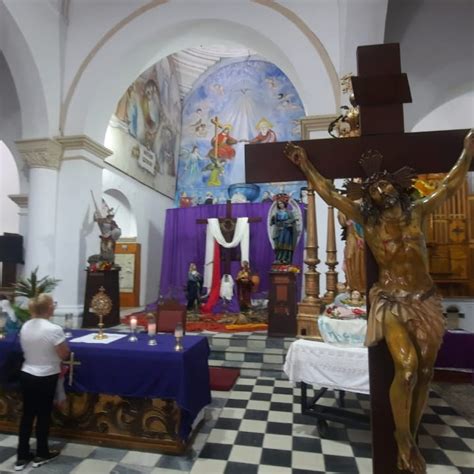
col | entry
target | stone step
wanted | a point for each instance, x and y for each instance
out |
(254, 354)
(251, 369)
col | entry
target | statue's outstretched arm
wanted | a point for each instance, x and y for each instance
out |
(324, 187)
(453, 180)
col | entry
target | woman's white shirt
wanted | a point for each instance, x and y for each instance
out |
(39, 338)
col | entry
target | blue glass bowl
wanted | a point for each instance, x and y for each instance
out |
(250, 191)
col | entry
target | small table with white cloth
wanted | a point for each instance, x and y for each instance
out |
(340, 368)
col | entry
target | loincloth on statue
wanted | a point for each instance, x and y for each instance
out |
(422, 314)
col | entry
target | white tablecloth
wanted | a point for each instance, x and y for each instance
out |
(326, 365)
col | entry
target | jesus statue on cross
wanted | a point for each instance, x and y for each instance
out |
(405, 309)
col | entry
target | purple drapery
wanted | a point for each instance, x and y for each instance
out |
(185, 242)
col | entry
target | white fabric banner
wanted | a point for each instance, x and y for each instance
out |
(326, 365)
(213, 232)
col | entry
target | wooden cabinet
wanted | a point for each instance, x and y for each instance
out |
(282, 304)
(109, 280)
(450, 240)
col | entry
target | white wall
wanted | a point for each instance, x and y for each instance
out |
(455, 113)
(9, 184)
(148, 207)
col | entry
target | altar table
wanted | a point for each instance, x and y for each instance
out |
(128, 393)
(328, 366)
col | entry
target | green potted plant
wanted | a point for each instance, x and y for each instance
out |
(29, 287)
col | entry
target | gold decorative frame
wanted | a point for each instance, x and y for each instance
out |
(315, 123)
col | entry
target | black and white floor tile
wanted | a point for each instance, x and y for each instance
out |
(261, 430)
(258, 428)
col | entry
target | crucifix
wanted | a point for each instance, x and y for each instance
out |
(227, 225)
(380, 90)
(71, 363)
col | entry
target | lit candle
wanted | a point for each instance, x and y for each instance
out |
(133, 324)
(151, 329)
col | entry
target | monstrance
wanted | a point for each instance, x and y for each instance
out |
(101, 304)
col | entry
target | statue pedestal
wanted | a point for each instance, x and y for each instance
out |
(110, 281)
(282, 304)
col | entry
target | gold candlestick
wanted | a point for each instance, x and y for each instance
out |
(101, 304)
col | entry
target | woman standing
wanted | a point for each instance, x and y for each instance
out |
(44, 346)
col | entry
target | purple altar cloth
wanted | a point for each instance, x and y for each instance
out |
(185, 242)
(457, 351)
(137, 370)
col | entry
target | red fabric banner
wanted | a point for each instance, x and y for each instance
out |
(216, 281)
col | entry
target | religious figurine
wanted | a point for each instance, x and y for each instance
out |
(226, 291)
(244, 286)
(110, 232)
(354, 253)
(12, 324)
(347, 124)
(193, 287)
(284, 232)
(405, 309)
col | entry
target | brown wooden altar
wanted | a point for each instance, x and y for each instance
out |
(108, 420)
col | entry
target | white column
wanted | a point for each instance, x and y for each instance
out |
(77, 235)
(43, 157)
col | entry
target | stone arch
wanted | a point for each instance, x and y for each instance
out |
(29, 86)
(148, 38)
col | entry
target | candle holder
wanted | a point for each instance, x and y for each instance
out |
(178, 335)
(151, 329)
(101, 304)
(133, 329)
(178, 347)
(133, 337)
(68, 325)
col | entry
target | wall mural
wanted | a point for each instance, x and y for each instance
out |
(144, 131)
(235, 102)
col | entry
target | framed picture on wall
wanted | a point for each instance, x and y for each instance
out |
(127, 255)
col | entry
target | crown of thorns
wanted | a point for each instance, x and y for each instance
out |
(371, 163)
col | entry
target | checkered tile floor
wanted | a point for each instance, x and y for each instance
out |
(258, 428)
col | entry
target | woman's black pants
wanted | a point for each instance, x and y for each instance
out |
(38, 396)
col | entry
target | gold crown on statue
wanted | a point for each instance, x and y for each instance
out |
(282, 197)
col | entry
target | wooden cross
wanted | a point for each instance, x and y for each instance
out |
(71, 363)
(380, 91)
(227, 225)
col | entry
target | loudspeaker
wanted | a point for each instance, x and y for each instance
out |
(11, 248)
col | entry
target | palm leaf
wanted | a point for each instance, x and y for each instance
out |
(32, 286)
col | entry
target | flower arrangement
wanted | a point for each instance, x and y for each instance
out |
(100, 266)
(341, 312)
(285, 268)
(423, 188)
